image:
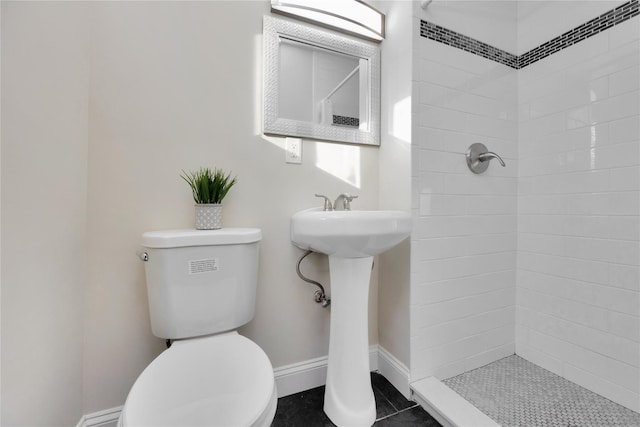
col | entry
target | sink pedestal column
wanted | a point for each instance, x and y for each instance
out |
(348, 398)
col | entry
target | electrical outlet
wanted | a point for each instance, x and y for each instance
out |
(293, 150)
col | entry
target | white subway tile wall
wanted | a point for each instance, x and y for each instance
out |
(464, 241)
(542, 257)
(578, 277)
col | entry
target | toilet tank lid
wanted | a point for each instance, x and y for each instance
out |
(192, 237)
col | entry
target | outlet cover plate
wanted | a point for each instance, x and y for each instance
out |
(293, 150)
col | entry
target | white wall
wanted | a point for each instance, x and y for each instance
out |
(172, 91)
(541, 21)
(463, 256)
(395, 174)
(45, 92)
(107, 103)
(578, 293)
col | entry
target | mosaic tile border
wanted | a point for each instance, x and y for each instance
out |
(590, 28)
(460, 41)
(346, 121)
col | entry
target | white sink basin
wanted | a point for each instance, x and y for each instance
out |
(349, 234)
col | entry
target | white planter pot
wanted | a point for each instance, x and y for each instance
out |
(208, 216)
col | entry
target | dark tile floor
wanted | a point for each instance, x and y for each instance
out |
(304, 409)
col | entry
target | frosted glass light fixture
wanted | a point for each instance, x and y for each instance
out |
(350, 16)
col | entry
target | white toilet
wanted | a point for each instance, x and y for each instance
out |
(201, 286)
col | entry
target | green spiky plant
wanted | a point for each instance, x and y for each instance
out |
(209, 186)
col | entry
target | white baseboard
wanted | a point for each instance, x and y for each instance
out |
(294, 378)
(101, 418)
(291, 379)
(301, 376)
(394, 371)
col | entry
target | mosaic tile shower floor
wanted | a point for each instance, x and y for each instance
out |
(515, 392)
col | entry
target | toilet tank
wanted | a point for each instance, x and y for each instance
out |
(201, 282)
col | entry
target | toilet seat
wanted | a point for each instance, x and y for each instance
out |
(219, 380)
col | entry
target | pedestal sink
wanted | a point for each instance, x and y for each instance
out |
(351, 239)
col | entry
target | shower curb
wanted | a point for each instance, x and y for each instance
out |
(446, 406)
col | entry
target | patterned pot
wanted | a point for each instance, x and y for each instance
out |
(208, 216)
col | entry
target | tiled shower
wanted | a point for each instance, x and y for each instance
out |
(539, 258)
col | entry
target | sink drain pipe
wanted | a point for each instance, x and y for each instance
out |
(319, 296)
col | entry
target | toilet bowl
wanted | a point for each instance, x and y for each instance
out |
(201, 287)
(220, 380)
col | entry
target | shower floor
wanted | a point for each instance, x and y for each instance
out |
(515, 392)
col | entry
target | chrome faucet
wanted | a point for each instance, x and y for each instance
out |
(346, 200)
(342, 203)
(327, 202)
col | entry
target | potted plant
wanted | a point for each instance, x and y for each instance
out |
(208, 188)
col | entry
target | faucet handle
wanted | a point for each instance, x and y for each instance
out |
(346, 199)
(484, 157)
(327, 202)
(347, 202)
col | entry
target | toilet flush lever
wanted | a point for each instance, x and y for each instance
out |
(478, 158)
(143, 255)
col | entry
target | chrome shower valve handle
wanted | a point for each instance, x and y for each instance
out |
(485, 157)
(478, 158)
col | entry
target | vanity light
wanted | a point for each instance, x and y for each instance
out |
(350, 16)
